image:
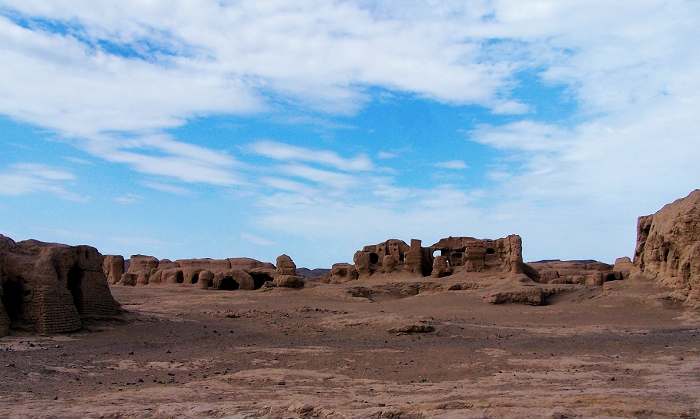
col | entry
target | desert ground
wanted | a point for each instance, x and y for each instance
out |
(376, 351)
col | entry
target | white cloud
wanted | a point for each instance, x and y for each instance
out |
(286, 152)
(27, 178)
(452, 164)
(179, 61)
(164, 187)
(385, 155)
(336, 181)
(127, 199)
(162, 156)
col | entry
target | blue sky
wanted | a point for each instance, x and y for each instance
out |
(246, 128)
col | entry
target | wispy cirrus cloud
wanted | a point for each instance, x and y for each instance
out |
(161, 155)
(168, 188)
(452, 164)
(290, 153)
(28, 178)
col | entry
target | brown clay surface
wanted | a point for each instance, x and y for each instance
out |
(613, 351)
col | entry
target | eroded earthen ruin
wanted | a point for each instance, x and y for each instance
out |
(218, 274)
(49, 287)
(668, 247)
(456, 254)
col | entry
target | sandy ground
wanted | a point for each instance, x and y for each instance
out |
(616, 351)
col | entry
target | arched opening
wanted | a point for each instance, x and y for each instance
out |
(195, 278)
(228, 284)
(211, 283)
(75, 286)
(179, 277)
(259, 279)
(437, 253)
(490, 251)
(13, 299)
(373, 258)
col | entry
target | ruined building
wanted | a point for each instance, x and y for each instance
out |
(446, 257)
(48, 287)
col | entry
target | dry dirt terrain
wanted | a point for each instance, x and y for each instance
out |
(337, 351)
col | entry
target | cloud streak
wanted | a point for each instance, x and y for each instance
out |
(286, 152)
(29, 178)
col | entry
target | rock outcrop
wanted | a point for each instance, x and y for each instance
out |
(589, 272)
(668, 247)
(285, 274)
(49, 287)
(113, 267)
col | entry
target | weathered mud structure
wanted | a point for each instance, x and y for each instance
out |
(456, 254)
(668, 247)
(219, 274)
(48, 287)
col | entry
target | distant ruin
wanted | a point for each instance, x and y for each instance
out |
(456, 254)
(217, 274)
(49, 287)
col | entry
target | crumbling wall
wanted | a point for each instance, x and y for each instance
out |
(668, 247)
(467, 254)
(48, 287)
(457, 254)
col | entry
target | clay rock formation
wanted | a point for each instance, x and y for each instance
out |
(668, 247)
(339, 273)
(113, 267)
(49, 287)
(220, 274)
(285, 274)
(285, 266)
(623, 266)
(588, 272)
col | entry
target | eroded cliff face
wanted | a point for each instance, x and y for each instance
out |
(668, 247)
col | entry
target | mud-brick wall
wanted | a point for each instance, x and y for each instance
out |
(97, 298)
(51, 309)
